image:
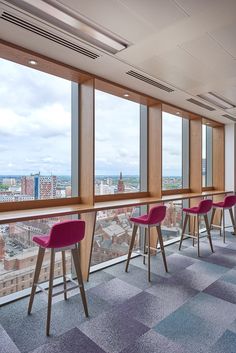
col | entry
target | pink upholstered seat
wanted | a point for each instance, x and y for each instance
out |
(62, 234)
(152, 219)
(203, 207)
(197, 212)
(228, 202)
(155, 216)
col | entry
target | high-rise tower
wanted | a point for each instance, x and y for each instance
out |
(121, 185)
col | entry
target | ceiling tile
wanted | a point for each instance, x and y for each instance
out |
(212, 55)
(192, 7)
(157, 67)
(112, 16)
(226, 38)
(159, 13)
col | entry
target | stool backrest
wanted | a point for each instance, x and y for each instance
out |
(156, 214)
(230, 201)
(205, 206)
(66, 233)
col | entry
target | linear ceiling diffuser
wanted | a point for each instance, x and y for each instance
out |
(215, 99)
(72, 23)
(229, 117)
(149, 81)
(200, 104)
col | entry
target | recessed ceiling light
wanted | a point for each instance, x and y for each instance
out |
(126, 95)
(178, 113)
(32, 62)
(208, 123)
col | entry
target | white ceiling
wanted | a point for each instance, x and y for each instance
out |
(188, 45)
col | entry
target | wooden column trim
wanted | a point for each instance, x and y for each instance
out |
(218, 160)
(154, 150)
(218, 165)
(195, 159)
(87, 135)
(86, 245)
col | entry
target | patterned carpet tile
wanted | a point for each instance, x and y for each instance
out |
(115, 291)
(72, 341)
(223, 290)
(225, 344)
(192, 308)
(152, 342)
(189, 330)
(211, 308)
(6, 343)
(113, 331)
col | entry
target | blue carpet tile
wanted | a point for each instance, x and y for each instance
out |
(190, 309)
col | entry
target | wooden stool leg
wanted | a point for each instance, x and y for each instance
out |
(198, 240)
(194, 227)
(212, 217)
(223, 217)
(39, 262)
(183, 230)
(149, 256)
(208, 232)
(131, 246)
(162, 247)
(221, 223)
(232, 220)
(64, 272)
(51, 275)
(144, 248)
(75, 255)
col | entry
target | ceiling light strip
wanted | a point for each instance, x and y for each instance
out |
(70, 23)
(37, 30)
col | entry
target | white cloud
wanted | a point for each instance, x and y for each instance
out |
(35, 121)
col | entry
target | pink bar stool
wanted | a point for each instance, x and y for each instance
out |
(228, 204)
(63, 236)
(152, 219)
(201, 210)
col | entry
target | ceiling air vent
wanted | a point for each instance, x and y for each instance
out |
(229, 117)
(149, 81)
(43, 33)
(202, 105)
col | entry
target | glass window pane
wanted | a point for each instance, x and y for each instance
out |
(112, 236)
(18, 254)
(171, 151)
(117, 144)
(172, 225)
(207, 132)
(35, 117)
(204, 169)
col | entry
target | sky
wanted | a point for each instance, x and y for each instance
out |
(35, 128)
(171, 145)
(35, 122)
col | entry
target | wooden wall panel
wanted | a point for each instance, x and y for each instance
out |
(86, 245)
(195, 160)
(22, 56)
(154, 158)
(195, 163)
(86, 151)
(218, 171)
(218, 165)
(154, 150)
